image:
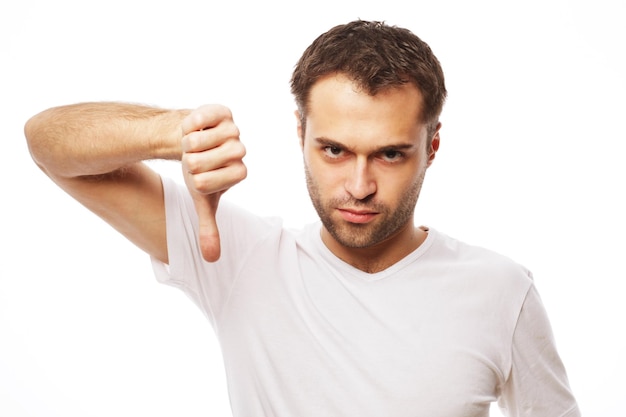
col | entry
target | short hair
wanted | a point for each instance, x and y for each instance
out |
(376, 56)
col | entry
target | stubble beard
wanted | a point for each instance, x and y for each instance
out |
(353, 235)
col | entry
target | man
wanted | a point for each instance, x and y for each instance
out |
(360, 314)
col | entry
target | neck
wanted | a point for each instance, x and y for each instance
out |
(378, 257)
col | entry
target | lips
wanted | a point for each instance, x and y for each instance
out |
(357, 216)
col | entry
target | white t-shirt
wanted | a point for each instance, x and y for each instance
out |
(442, 333)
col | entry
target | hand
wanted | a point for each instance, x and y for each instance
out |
(212, 162)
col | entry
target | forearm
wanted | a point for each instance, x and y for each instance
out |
(98, 138)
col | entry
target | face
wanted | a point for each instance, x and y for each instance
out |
(365, 158)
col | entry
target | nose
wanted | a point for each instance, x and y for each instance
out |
(360, 183)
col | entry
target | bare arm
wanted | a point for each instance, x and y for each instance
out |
(95, 152)
(99, 138)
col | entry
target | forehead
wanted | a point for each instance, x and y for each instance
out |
(338, 109)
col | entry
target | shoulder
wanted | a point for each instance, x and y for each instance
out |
(477, 262)
(241, 232)
(178, 202)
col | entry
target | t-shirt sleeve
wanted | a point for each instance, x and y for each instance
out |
(207, 283)
(537, 385)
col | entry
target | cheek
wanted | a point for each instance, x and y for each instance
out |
(395, 185)
(328, 179)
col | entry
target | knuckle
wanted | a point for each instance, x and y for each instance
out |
(241, 171)
(225, 111)
(203, 184)
(191, 163)
(236, 149)
(190, 142)
(196, 119)
(241, 151)
(235, 131)
(229, 131)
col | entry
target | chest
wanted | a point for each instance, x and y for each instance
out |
(412, 346)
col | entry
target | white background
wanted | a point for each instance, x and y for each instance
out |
(531, 164)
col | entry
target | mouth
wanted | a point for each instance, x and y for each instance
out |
(357, 216)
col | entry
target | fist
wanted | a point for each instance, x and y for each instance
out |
(212, 162)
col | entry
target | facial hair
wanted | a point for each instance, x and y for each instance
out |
(354, 235)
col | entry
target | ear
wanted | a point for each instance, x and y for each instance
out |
(434, 145)
(300, 130)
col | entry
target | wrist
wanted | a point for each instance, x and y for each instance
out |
(167, 135)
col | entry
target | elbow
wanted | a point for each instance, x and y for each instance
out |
(42, 143)
(34, 138)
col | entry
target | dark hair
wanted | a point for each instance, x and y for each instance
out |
(376, 56)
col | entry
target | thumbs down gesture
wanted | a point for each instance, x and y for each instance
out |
(212, 162)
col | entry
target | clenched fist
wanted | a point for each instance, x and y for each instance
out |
(212, 162)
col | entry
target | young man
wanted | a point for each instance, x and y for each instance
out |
(360, 314)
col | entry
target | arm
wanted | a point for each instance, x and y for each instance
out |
(537, 384)
(94, 151)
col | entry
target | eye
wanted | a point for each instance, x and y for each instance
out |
(332, 151)
(391, 155)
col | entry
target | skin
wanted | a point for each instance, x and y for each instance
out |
(365, 159)
(95, 152)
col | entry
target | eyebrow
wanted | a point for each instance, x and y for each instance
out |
(390, 147)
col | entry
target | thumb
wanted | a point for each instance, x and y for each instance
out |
(206, 208)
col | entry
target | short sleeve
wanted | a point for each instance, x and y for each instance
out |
(537, 385)
(207, 283)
